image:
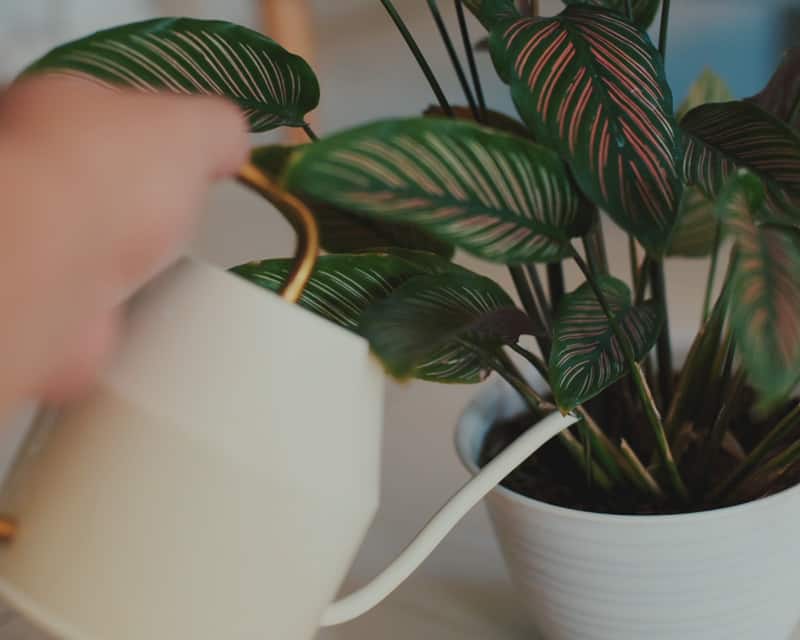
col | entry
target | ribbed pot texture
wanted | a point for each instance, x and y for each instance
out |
(725, 574)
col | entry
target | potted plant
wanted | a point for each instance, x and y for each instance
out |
(671, 509)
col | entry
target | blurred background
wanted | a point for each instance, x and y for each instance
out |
(366, 73)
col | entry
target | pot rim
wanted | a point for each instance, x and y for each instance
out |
(492, 393)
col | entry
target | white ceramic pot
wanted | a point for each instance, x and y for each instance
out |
(730, 573)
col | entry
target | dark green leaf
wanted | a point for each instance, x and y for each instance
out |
(765, 303)
(443, 327)
(724, 137)
(500, 197)
(186, 56)
(343, 286)
(345, 232)
(591, 85)
(586, 356)
(492, 12)
(494, 119)
(708, 88)
(781, 97)
(696, 229)
(644, 11)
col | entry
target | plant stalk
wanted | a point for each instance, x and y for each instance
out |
(645, 395)
(451, 51)
(541, 297)
(420, 58)
(555, 283)
(712, 272)
(310, 132)
(664, 348)
(633, 257)
(795, 112)
(664, 31)
(529, 304)
(473, 67)
(629, 9)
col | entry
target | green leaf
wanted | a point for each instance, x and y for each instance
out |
(781, 97)
(724, 137)
(591, 85)
(494, 119)
(345, 232)
(443, 327)
(765, 304)
(695, 232)
(497, 196)
(187, 56)
(708, 88)
(586, 356)
(492, 12)
(644, 11)
(343, 286)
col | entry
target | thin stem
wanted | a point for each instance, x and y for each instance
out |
(664, 348)
(663, 32)
(633, 257)
(423, 63)
(782, 429)
(310, 132)
(541, 297)
(729, 404)
(649, 481)
(581, 453)
(712, 272)
(555, 282)
(473, 68)
(645, 395)
(629, 9)
(795, 112)
(506, 370)
(529, 304)
(451, 51)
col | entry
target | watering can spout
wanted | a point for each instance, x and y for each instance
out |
(362, 600)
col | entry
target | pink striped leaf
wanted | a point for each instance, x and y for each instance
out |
(185, 56)
(724, 137)
(443, 327)
(781, 97)
(586, 356)
(644, 11)
(765, 299)
(592, 85)
(497, 196)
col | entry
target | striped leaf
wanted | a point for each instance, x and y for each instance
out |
(586, 356)
(724, 137)
(492, 12)
(708, 88)
(344, 232)
(591, 85)
(443, 327)
(497, 196)
(644, 11)
(696, 229)
(343, 286)
(765, 303)
(781, 97)
(186, 56)
(494, 119)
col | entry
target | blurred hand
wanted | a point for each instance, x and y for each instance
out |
(100, 190)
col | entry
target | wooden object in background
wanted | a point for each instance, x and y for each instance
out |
(290, 22)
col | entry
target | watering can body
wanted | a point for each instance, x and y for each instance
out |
(216, 485)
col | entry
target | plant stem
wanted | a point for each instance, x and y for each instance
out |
(541, 298)
(310, 132)
(645, 395)
(662, 36)
(723, 420)
(649, 481)
(473, 68)
(633, 256)
(423, 63)
(629, 9)
(582, 455)
(529, 304)
(795, 112)
(712, 272)
(664, 349)
(451, 51)
(782, 429)
(555, 283)
(642, 280)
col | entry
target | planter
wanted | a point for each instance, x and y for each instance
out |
(730, 573)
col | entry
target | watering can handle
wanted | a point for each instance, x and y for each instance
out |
(364, 599)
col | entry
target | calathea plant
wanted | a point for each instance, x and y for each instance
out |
(598, 133)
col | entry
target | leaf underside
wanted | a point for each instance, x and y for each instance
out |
(443, 327)
(696, 229)
(186, 56)
(592, 86)
(765, 308)
(586, 356)
(782, 95)
(497, 196)
(726, 136)
(644, 11)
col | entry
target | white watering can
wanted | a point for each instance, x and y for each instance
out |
(220, 480)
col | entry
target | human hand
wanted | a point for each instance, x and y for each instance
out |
(100, 191)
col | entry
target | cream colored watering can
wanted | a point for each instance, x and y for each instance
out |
(218, 483)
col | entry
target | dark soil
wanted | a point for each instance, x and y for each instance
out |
(552, 476)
